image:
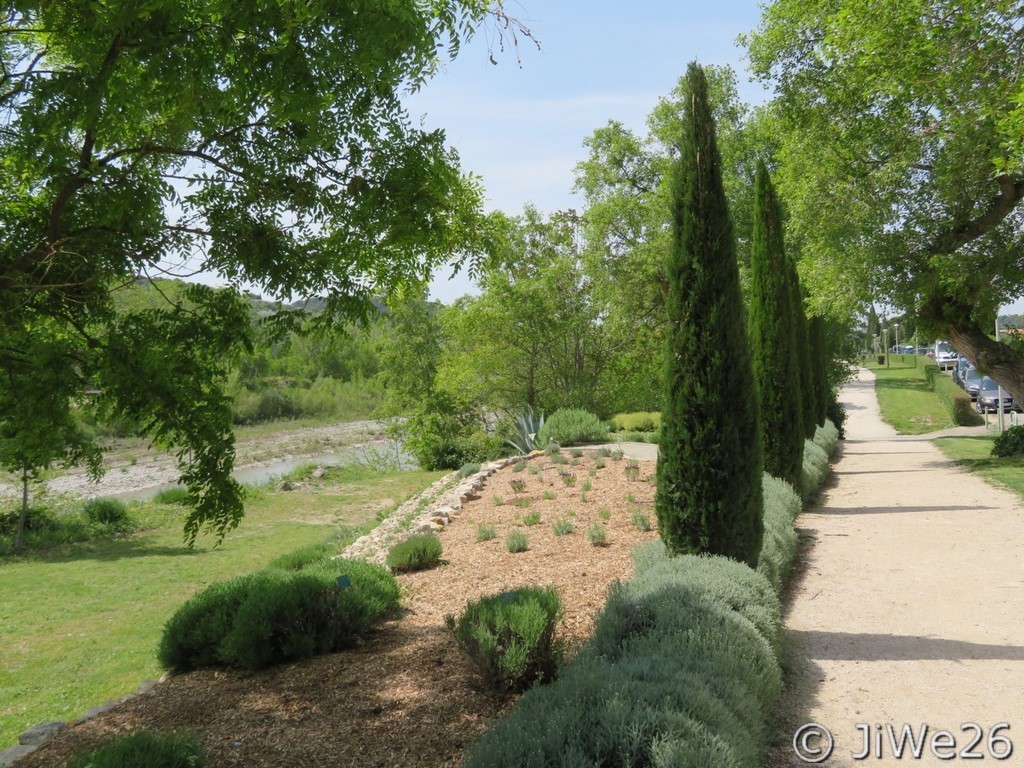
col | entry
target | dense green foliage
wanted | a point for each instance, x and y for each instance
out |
(145, 139)
(897, 128)
(274, 616)
(1010, 442)
(143, 749)
(773, 338)
(709, 462)
(510, 637)
(640, 421)
(109, 512)
(418, 552)
(571, 426)
(819, 370)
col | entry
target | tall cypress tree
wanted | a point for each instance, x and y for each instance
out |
(710, 461)
(819, 370)
(803, 348)
(773, 338)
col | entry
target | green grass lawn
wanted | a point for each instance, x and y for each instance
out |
(974, 454)
(906, 402)
(79, 624)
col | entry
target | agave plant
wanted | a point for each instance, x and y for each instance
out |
(527, 426)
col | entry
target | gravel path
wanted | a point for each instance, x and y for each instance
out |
(910, 605)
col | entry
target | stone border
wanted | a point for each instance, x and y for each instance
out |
(33, 738)
(427, 512)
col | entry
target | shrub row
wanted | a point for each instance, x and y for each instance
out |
(682, 668)
(817, 453)
(640, 421)
(276, 615)
(681, 663)
(957, 402)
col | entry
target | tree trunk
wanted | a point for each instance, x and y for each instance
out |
(19, 534)
(993, 359)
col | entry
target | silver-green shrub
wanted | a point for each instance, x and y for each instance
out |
(570, 426)
(510, 637)
(781, 506)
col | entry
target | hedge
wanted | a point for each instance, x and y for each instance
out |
(957, 402)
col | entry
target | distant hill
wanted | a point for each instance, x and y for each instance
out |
(148, 294)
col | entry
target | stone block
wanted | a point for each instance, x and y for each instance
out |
(42, 732)
(11, 755)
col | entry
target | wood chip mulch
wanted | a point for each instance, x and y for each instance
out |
(407, 696)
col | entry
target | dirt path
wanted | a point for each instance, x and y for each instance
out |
(910, 605)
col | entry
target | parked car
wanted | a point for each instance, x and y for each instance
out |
(945, 355)
(988, 398)
(962, 364)
(971, 382)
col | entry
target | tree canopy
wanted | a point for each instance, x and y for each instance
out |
(261, 143)
(900, 157)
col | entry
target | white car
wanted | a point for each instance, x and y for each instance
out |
(945, 355)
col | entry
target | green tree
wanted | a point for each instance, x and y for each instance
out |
(776, 359)
(262, 143)
(901, 159)
(709, 464)
(39, 428)
(626, 183)
(536, 335)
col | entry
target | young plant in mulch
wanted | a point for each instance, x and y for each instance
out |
(510, 637)
(486, 532)
(532, 518)
(597, 535)
(516, 541)
(563, 526)
(517, 486)
(641, 521)
(417, 553)
(569, 478)
(632, 470)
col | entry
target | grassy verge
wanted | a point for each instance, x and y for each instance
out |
(907, 402)
(80, 623)
(974, 454)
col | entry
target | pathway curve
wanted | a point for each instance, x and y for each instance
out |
(910, 606)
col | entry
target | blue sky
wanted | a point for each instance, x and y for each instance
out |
(521, 126)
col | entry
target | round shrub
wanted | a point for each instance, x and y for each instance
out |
(1010, 442)
(416, 553)
(275, 616)
(570, 426)
(510, 637)
(143, 750)
(109, 512)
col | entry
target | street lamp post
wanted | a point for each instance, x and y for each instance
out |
(898, 342)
